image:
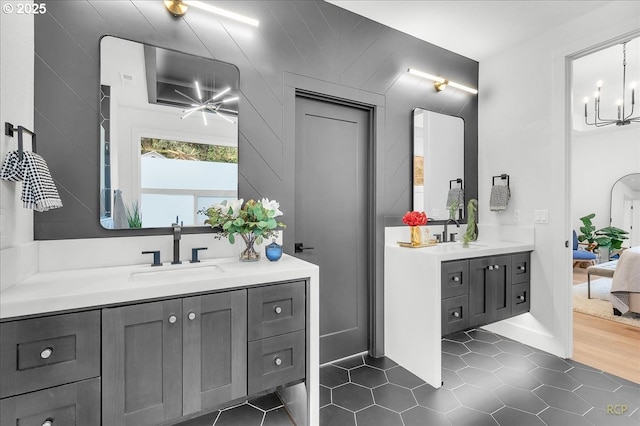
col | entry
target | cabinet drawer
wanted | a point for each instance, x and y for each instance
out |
(520, 268)
(455, 314)
(520, 302)
(455, 278)
(276, 361)
(276, 309)
(77, 404)
(49, 351)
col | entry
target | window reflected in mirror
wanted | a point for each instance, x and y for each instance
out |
(168, 135)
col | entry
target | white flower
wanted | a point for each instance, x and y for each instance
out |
(235, 205)
(272, 205)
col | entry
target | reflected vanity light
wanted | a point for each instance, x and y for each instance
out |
(179, 8)
(440, 83)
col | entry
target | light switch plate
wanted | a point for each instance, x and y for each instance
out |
(541, 216)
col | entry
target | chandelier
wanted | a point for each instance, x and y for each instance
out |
(623, 119)
(212, 105)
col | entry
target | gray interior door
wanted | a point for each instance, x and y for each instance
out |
(331, 217)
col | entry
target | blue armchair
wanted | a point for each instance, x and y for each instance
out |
(580, 256)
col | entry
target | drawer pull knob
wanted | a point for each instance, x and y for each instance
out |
(456, 314)
(277, 310)
(277, 361)
(496, 267)
(46, 353)
(48, 422)
(522, 268)
(521, 297)
(173, 319)
(191, 316)
(456, 279)
(490, 267)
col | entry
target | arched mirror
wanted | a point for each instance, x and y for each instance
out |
(168, 135)
(438, 165)
(625, 207)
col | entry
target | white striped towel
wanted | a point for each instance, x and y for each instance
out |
(38, 190)
(500, 195)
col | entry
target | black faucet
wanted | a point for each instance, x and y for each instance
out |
(177, 230)
(444, 233)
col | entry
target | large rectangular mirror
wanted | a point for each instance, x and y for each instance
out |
(438, 165)
(168, 135)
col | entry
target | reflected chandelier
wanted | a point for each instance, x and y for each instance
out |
(622, 119)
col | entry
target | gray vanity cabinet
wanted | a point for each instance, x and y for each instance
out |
(163, 360)
(483, 290)
(489, 289)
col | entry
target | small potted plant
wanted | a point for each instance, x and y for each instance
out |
(253, 221)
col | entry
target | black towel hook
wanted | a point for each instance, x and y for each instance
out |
(9, 129)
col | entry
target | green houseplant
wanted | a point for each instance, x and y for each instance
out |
(609, 236)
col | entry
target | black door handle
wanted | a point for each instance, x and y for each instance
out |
(298, 248)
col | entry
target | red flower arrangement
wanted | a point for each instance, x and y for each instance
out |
(415, 218)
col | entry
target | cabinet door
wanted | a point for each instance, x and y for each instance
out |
(501, 287)
(77, 404)
(215, 349)
(480, 291)
(142, 363)
(489, 289)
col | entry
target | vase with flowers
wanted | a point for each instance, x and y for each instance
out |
(253, 221)
(415, 220)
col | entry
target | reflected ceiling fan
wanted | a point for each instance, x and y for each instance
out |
(213, 105)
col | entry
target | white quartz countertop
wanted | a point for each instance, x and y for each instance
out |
(453, 251)
(84, 288)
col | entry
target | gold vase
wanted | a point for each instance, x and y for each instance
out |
(416, 239)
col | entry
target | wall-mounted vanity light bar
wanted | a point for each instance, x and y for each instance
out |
(440, 82)
(179, 8)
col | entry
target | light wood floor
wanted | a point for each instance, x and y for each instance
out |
(607, 345)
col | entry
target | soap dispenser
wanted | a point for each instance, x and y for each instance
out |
(273, 251)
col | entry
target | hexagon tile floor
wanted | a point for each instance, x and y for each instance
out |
(488, 380)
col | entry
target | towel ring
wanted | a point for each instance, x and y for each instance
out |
(458, 180)
(503, 176)
(9, 129)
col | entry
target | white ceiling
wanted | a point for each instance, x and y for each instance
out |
(475, 29)
(480, 29)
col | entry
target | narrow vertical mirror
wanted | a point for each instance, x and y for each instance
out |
(438, 165)
(168, 135)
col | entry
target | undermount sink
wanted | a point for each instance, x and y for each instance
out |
(173, 273)
(458, 246)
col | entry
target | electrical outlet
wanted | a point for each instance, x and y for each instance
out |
(516, 215)
(541, 216)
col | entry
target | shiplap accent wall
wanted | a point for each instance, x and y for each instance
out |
(311, 38)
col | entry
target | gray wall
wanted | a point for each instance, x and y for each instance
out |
(310, 38)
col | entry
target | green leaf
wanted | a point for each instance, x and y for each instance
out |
(259, 239)
(232, 239)
(262, 224)
(239, 221)
(603, 241)
(257, 212)
(226, 225)
(271, 223)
